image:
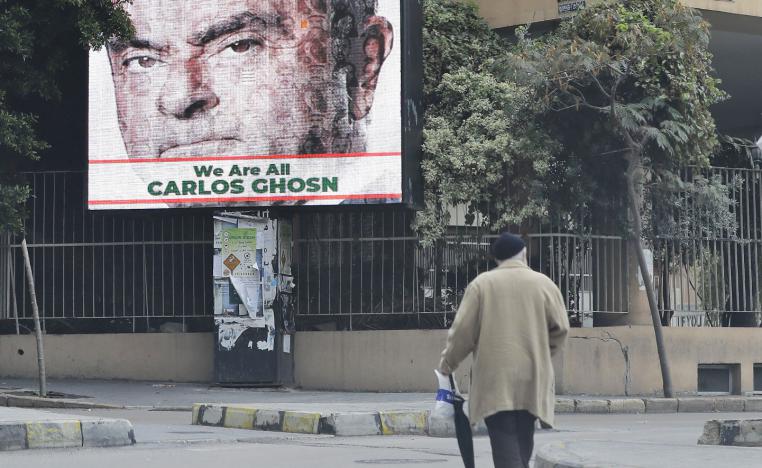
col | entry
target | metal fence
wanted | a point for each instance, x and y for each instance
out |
(364, 271)
(355, 267)
(713, 278)
(369, 271)
(106, 271)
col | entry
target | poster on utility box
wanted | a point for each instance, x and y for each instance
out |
(238, 103)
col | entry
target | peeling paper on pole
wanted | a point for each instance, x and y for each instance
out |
(229, 332)
(249, 290)
(241, 260)
(269, 344)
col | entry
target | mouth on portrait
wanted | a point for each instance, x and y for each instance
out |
(206, 147)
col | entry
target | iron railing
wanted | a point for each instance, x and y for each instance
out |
(358, 271)
(355, 267)
(354, 274)
(106, 271)
(713, 278)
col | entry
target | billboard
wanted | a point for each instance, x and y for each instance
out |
(245, 103)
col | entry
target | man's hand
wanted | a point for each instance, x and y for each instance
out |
(443, 368)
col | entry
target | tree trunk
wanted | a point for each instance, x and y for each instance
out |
(634, 202)
(36, 315)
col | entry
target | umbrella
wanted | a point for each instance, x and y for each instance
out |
(462, 428)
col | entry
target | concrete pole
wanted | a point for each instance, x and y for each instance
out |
(36, 315)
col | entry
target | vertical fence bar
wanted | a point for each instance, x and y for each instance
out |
(741, 225)
(755, 202)
(5, 248)
(13, 292)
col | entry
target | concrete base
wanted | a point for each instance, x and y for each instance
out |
(384, 361)
(177, 357)
(613, 361)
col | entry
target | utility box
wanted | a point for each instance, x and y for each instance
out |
(253, 312)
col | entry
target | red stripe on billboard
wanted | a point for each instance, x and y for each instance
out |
(154, 201)
(242, 158)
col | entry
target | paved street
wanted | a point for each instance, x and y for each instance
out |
(165, 439)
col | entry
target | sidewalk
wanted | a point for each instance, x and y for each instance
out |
(182, 396)
(335, 413)
(171, 396)
(35, 429)
(604, 454)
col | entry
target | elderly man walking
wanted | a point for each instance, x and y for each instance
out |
(513, 319)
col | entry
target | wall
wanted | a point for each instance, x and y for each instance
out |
(628, 356)
(177, 357)
(502, 13)
(387, 361)
(603, 361)
(741, 7)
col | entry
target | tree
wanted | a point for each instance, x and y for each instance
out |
(633, 81)
(36, 39)
(35, 36)
(482, 146)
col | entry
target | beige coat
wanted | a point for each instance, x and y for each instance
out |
(513, 319)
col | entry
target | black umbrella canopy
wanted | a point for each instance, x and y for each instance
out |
(463, 429)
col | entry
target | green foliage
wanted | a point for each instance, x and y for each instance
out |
(13, 196)
(455, 37)
(687, 210)
(34, 39)
(627, 88)
(483, 148)
(736, 152)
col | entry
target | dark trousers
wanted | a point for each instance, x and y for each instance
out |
(511, 434)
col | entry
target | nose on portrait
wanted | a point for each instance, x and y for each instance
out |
(189, 95)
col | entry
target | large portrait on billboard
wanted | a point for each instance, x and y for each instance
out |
(248, 102)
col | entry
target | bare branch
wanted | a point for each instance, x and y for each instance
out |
(600, 86)
(582, 101)
(561, 109)
(606, 153)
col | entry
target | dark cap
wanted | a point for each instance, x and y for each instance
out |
(507, 246)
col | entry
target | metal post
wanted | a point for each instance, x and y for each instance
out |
(13, 292)
(36, 315)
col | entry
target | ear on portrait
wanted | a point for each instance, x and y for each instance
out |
(376, 43)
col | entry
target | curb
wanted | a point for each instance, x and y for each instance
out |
(739, 433)
(557, 455)
(420, 423)
(722, 404)
(300, 422)
(66, 433)
(38, 402)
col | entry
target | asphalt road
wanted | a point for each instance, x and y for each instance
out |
(166, 440)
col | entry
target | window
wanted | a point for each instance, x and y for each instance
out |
(719, 379)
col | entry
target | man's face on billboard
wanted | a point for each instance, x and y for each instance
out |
(246, 77)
